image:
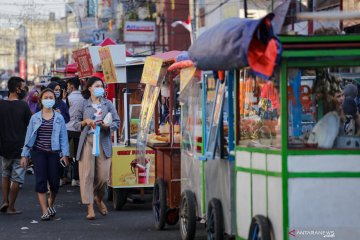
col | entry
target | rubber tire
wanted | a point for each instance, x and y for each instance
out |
(215, 220)
(174, 212)
(109, 194)
(119, 197)
(187, 215)
(260, 225)
(159, 198)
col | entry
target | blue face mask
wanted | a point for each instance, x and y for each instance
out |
(99, 92)
(57, 94)
(48, 103)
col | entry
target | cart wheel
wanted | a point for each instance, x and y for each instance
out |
(215, 221)
(260, 228)
(119, 198)
(109, 194)
(187, 216)
(159, 204)
(172, 216)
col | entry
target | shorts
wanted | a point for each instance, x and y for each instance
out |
(11, 168)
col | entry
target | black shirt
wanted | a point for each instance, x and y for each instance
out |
(14, 119)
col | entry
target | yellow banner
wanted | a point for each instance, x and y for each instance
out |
(125, 172)
(186, 74)
(151, 71)
(107, 65)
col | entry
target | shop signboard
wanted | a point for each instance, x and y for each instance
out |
(152, 71)
(82, 58)
(139, 31)
(113, 63)
(107, 65)
(127, 172)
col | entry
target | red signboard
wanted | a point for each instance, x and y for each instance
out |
(84, 65)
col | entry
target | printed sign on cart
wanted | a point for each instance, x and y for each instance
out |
(126, 172)
(139, 31)
(83, 60)
(107, 65)
(186, 75)
(152, 71)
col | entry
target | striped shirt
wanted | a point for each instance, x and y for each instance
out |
(43, 139)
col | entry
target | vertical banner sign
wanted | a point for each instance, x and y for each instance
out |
(83, 60)
(107, 65)
(151, 71)
(186, 74)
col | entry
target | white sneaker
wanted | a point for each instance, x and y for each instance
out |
(75, 183)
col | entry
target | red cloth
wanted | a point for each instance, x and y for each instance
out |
(270, 92)
(262, 57)
(70, 70)
(109, 41)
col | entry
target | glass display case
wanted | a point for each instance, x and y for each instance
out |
(323, 108)
(259, 108)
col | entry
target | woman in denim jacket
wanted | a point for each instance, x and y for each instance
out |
(47, 143)
(94, 171)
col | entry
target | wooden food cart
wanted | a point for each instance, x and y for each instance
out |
(165, 139)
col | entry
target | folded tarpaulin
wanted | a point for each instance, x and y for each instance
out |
(235, 43)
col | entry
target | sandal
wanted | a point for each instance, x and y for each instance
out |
(51, 211)
(4, 207)
(45, 217)
(101, 206)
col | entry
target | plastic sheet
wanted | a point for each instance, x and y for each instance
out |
(148, 104)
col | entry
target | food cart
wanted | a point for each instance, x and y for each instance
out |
(296, 168)
(165, 139)
(126, 173)
(208, 183)
(298, 176)
(206, 164)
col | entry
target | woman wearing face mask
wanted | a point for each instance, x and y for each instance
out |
(94, 171)
(60, 105)
(46, 142)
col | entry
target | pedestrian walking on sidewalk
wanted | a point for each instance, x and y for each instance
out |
(94, 171)
(47, 143)
(75, 100)
(15, 115)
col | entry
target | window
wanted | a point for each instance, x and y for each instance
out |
(322, 111)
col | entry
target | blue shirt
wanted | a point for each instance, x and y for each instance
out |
(59, 138)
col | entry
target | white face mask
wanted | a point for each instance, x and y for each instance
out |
(57, 94)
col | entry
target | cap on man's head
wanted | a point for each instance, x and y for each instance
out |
(351, 90)
(349, 106)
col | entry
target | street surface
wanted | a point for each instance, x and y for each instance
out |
(135, 221)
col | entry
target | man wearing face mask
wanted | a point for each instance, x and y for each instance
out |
(14, 119)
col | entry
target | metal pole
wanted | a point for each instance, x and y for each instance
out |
(163, 32)
(194, 25)
(341, 21)
(245, 9)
